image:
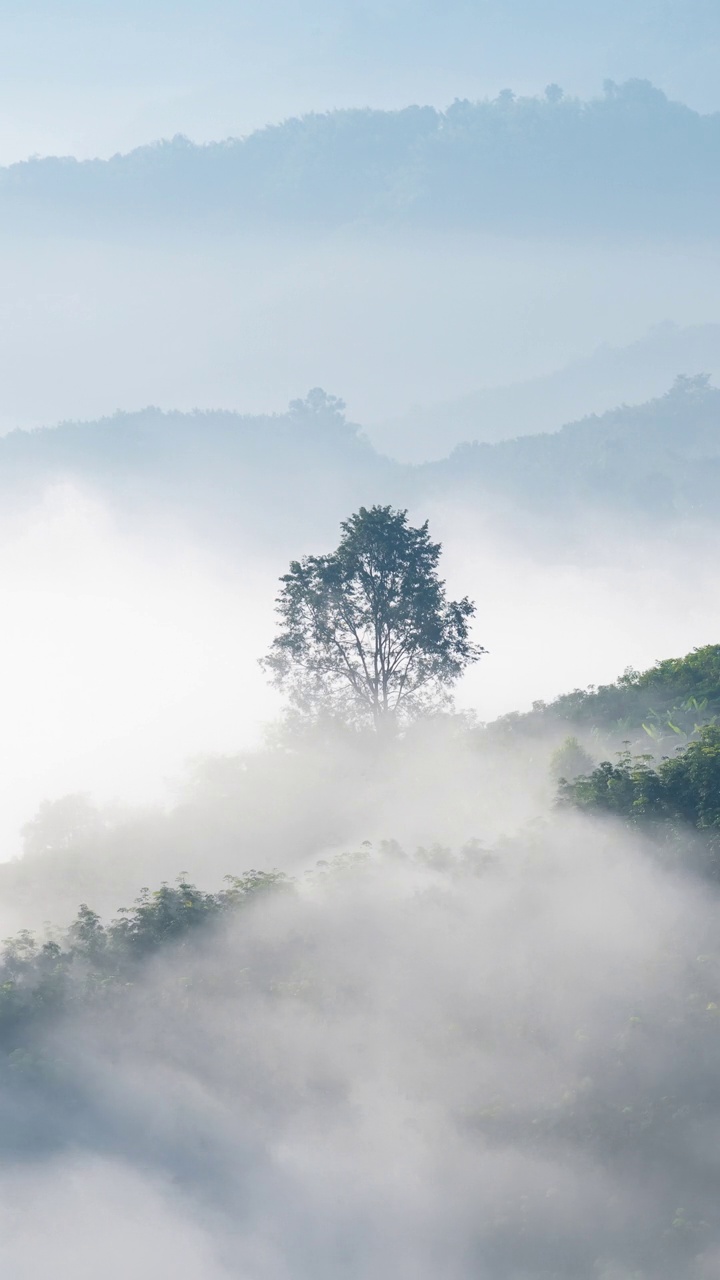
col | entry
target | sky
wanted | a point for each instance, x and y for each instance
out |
(91, 77)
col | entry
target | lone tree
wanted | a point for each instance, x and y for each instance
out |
(367, 633)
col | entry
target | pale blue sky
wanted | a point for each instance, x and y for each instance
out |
(94, 76)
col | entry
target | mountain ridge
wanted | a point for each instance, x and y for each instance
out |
(629, 161)
(657, 462)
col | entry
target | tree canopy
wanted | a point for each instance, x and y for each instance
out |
(667, 704)
(680, 793)
(367, 633)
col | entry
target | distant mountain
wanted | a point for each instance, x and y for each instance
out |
(225, 475)
(609, 377)
(288, 479)
(654, 463)
(629, 162)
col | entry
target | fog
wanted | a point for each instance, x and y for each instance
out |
(397, 1071)
(293, 985)
(127, 652)
(416, 1064)
(121, 657)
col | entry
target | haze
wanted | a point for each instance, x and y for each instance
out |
(389, 323)
(359, 874)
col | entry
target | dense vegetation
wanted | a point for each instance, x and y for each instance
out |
(679, 794)
(92, 962)
(661, 708)
(628, 161)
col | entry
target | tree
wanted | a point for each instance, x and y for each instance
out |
(318, 404)
(570, 761)
(367, 634)
(696, 384)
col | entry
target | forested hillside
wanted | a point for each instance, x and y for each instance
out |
(668, 801)
(221, 474)
(656, 710)
(230, 1020)
(630, 161)
(360, 649)
(610, 376)
(653, 465)
(658, 461)
(447, 778)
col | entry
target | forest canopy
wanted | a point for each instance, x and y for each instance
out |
(661, 707)
(629, 160)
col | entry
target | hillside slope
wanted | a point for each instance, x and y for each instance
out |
(631, 161)
(657, 464)
(658, 709)
(658, 461)
(608, 377)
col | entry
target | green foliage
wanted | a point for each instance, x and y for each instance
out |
(91, 965)
(570, 760)
(40, 980)
(367, 633)
(669, 703)
(682, 790)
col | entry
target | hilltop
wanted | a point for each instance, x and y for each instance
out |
(631, 161)
(608, 377)
(659, 460)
